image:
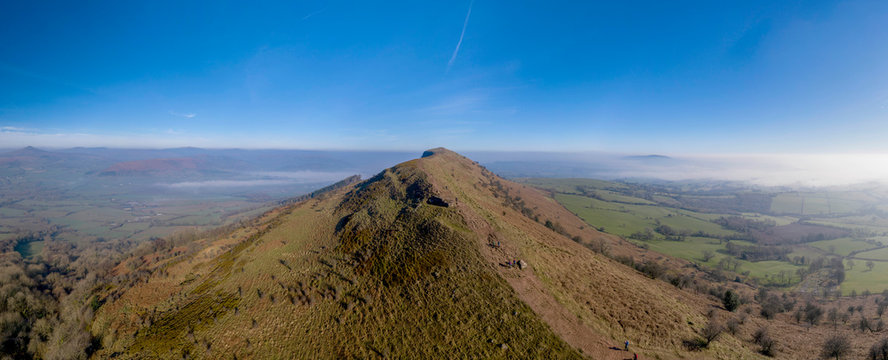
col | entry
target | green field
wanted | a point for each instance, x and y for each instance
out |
(612, 196)
(790, 203)
(690, 249)
(779, 220)
(822, 203)
(569, 186)
(626, 219)
(842, 246)
(878, 255)
(29, 249)
(860, 279)
(615, 208)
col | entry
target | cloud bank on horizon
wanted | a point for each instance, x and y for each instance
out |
(803, 170)
(774, 169)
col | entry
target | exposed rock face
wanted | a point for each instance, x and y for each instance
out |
(434, 200)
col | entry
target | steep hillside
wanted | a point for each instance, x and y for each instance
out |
(413, 262)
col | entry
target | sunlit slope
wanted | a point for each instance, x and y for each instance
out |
(407, 264)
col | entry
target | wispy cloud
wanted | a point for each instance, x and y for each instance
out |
(461, 35)
(306, 17)
(183, 115)
(12, 129)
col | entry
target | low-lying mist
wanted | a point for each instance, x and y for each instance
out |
(757, 169)
(262, 179)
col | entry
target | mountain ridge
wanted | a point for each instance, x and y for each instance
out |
(359, 262)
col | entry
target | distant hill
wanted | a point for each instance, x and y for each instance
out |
(653, 157)
(415, 262)
(34, 159)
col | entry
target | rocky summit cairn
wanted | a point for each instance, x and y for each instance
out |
(522, 264)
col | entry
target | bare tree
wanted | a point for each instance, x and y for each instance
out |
(708, 255)
(762, 338)
(813, 313)
(712, 331)
(864, 324)
(869, 265)
(879, 350)
(836, 346)
(833, 316)
(733, 326)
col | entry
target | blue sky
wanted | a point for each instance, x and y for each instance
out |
(621, 76)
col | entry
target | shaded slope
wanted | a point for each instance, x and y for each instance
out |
(375, 269)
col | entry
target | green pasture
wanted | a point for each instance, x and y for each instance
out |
(29, 249)
(570, 185)
(878, 254)
(867, 223)
(612, 196)
(860, 279)
(807, 252)
(768, 269)
(787, 203)
(779, 220)
(814, 205)
(691, 249)
(625, 219)
(821, 203)
(624, 215)
(842, 246)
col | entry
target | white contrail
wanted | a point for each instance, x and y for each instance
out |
(461, 35)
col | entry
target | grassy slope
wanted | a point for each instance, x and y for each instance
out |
(377, 272)
(606, 297)
(423, 293)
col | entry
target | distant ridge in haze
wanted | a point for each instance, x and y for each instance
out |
(647, 157)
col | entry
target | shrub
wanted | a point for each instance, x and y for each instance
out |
(731, 300)
(733, 326)
(763, 339)
(712, 331)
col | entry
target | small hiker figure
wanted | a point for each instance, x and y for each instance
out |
(635, 356)
(627, 345)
